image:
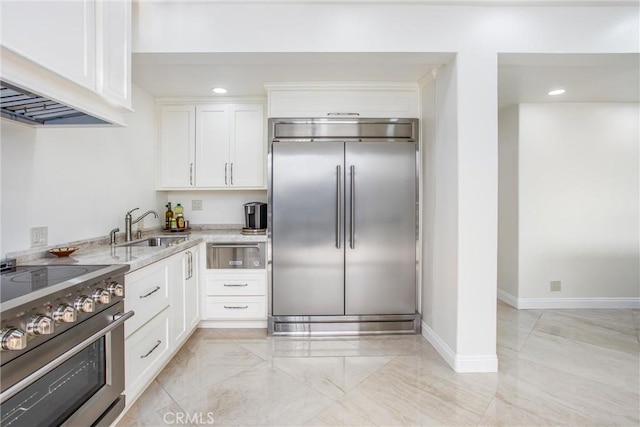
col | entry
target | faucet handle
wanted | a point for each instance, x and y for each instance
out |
(112, 235)
(135, 209)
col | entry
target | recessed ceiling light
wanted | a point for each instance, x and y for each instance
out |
(219, 90)
(556, 92)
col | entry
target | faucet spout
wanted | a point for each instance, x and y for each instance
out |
(129, 221)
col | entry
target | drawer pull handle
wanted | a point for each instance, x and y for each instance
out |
(152, 350)
(243, 307)
(236, 285)
(152, 292)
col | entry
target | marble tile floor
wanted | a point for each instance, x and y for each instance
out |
(557, 367)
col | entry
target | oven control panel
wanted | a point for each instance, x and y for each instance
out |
(29, 325)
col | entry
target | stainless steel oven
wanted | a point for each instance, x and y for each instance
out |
(63, 352)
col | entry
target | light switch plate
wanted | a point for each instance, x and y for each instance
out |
(39, 236)
(196, 205)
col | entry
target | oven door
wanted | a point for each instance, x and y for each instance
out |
(75, 379)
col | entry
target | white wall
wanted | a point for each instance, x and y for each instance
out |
(218, 207)
(579, 200)
(465, 214)
(79, 182)
(508, 202)
(428, 197)
(440, 210)
(249, 26)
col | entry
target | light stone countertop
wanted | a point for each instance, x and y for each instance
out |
(141, 256)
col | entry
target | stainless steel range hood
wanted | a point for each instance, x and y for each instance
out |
(27, 107)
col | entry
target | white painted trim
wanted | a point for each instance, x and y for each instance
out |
(460, 363)
(545, 3)
(507, 298)
(567, 303)
(211, 100)
(363, 86)
(546, 303)
(232, 324)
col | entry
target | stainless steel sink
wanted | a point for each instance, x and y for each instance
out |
(157, 241)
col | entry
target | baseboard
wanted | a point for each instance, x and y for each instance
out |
(507, 298)
(551, 303)
(564, 303)
(246, 324)
(460, 363)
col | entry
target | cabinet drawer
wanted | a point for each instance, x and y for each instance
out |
(236, 308)
(236, 284)
(147, 294)
(145, 351)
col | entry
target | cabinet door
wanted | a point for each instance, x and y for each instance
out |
(344, 103)
(191, 292)
(176, 268)
(57, 34)
(247, 146)
(177, 146)
(114, 50)
(212, 154)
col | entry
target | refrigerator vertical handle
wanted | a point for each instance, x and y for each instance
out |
(339, 207)
(353, 207)
(225, 174)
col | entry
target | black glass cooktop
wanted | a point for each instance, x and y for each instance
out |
(22, 280)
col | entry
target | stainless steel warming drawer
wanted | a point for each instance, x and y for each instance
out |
(236, 255)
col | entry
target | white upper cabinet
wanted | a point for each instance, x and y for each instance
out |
(247, 146)
(366, 100)
(114, 50)
(59, 35)
(212, 149)
(177, 146)
(226, 151)
(75, 52)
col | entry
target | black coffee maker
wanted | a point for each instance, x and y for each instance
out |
(255, 217)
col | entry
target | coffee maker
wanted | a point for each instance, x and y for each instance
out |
(255, 218)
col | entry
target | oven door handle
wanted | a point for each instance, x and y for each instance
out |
(119, 319)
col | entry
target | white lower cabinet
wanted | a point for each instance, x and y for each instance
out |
(184, 295)
(235, 295)
(146, 351)
(165, 299)
(147, 294)
(236, 307)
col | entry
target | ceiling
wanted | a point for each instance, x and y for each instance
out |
(521, 77)
(244, 74)
(586, 78)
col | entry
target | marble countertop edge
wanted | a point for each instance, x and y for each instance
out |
(98, 251)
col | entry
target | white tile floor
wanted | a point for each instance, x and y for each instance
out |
(557, 367)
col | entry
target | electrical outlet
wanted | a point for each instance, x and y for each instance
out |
(39, 236)
(196, 205)
(141, 224)
(555, 286)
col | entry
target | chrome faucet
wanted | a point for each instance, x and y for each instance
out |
(128, 222)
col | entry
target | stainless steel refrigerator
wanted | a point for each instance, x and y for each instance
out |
(342, 226)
